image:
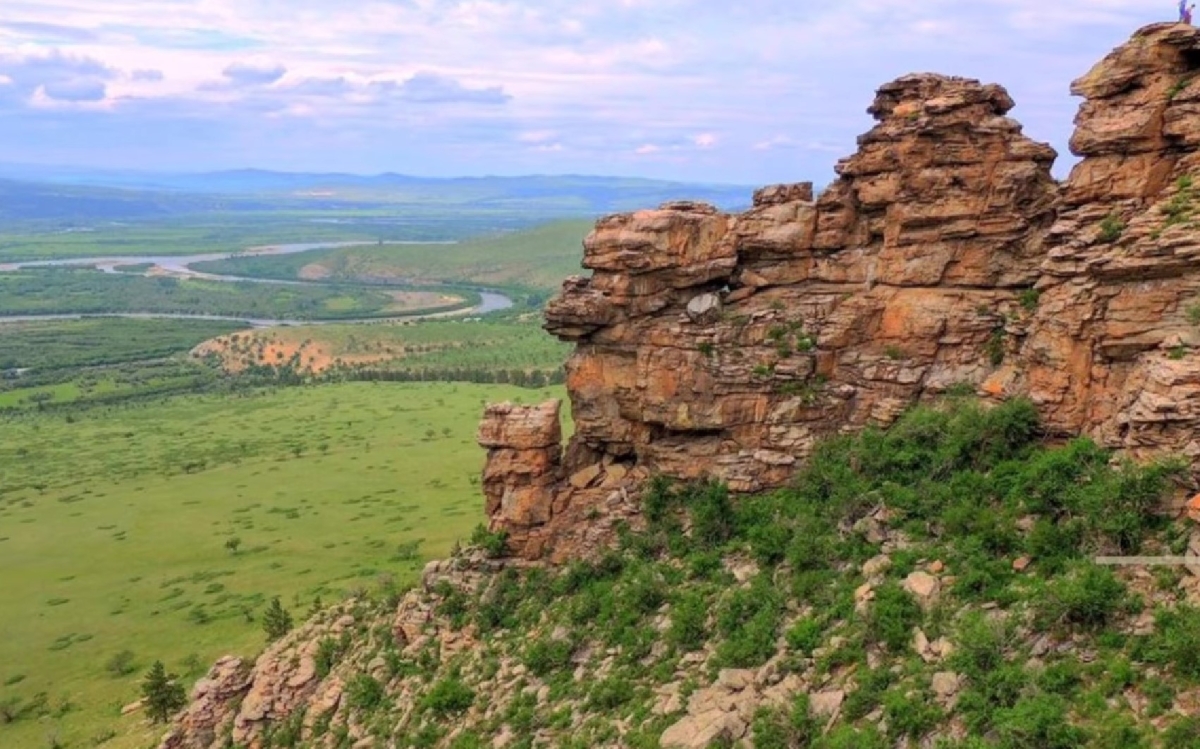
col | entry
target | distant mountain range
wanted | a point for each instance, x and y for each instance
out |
(56, 193)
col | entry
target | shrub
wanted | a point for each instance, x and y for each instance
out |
(610, 694)
(713, 520)
(1175, 643)
(1111, 228)
(329, 651)
(774, 729)
(493, 544)
(1039, 722)
(448, 696)
(910, 715)
(545, 656)
(1088, 598)
(805, 635)
(364, 692)
(1183, 733)
(120, 664)
(749, 620)
(892, 616)
(689, 616)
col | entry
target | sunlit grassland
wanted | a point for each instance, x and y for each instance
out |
(48, 345)
(535, 258)
(114, 523)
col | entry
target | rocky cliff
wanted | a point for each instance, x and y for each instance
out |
(944, 256)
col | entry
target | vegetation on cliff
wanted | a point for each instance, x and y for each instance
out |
(933, 581)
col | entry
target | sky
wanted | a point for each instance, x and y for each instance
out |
(746, 92)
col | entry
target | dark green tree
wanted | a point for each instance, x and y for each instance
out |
(276, 620)
(164, 695)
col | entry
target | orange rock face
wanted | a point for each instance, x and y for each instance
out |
(944, 256)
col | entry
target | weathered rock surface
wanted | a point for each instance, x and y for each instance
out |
(944, 256)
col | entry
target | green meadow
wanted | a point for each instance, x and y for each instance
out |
(537, 258)
(163, 526)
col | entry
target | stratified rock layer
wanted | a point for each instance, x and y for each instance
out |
(944, 256)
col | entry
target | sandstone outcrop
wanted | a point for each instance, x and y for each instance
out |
(945, 256)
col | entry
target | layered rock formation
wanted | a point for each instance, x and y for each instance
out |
(945, 256)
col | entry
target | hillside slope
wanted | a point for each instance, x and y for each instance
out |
(926, 585)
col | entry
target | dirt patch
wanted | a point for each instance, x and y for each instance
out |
(241, 351)
(407, 301)
(314, 272)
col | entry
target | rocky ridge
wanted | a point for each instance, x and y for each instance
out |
(944, 257)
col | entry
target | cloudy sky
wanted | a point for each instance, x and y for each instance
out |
(752, 91)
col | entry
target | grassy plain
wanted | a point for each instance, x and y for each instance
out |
(537, 258)
(51, 345)
(114, 522)
(87, 291)
(226, 232)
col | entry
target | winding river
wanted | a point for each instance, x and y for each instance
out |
(179, 266)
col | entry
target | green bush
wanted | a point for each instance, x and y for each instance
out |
(776, 729)
(749, 621)
(493, 544)
(689, 616)
(1088, 597)
(121, 664)
(1111, 228)
(911, 715)
(448, 696)
(545, 656)
(1040, 722)
(892, 616)
(1175, 643)
(805, 635)
(1183, 733)
(364, 692)
(610, 694)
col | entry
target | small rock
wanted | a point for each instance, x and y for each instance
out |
(704, 309)
(1021, 564)
(1193, 508)
(945, 684)
(937, 567)
(701, 731)
(735, 679)
(876, 566)
(922, 585)
(921, 643)
(827, 704)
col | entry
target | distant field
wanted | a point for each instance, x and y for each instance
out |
(438, 349)
(86, 291)
(114, 523)
(51, 345)
(538, 258)
(225, 232)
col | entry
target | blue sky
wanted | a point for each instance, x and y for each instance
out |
(750, 92)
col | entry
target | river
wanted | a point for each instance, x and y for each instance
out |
(180, 266)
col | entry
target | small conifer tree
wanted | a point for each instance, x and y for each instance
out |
(164, 695)
(277, 622)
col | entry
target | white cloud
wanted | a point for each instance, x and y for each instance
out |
(446, 85)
